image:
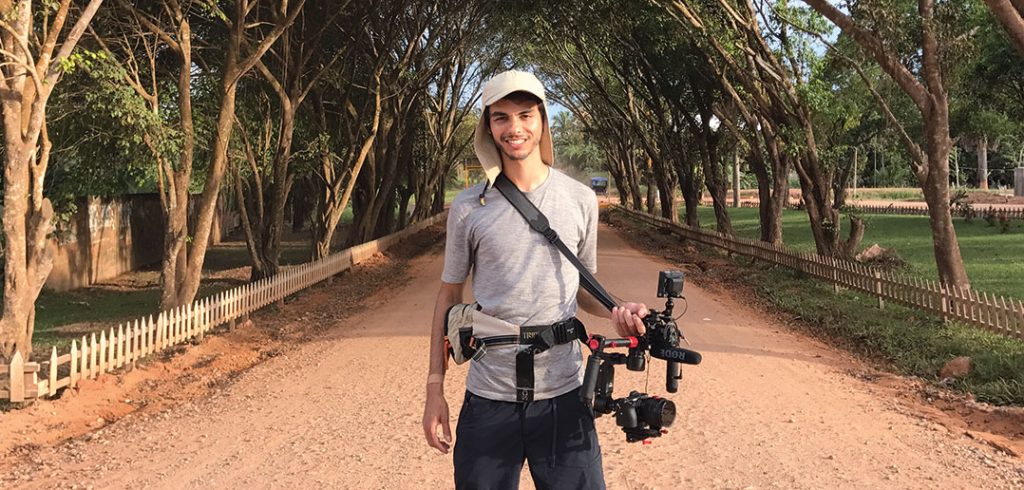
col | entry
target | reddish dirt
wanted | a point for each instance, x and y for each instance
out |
(327, 392)
(989, 198)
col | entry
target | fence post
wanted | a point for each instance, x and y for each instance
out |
(52, 373)
(74, 365)
(834, 265)
(16, 378)
(199, 322)
(878, 288)
(229, 305)
(943, 293)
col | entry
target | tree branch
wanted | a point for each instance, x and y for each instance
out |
(903, 77)
(71, 41)
(1012, 19)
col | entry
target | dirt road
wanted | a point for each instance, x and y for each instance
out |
(767, 409)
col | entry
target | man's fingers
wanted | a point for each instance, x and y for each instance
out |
(619, 321)
(429, 434)
(638, 325)
(432, 440)
(447, 430)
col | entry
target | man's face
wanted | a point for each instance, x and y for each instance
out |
(516, 128)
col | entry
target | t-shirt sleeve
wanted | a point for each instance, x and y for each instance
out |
(456, 246)
(588, 245)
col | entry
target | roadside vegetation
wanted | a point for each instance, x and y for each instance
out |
(908, 341)
(898, 339)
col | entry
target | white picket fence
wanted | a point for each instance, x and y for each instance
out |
(107, 350)
(976, 308)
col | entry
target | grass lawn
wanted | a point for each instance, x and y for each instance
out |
(65, 316)
(992, 258)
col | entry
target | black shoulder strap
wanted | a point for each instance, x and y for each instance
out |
(539, 223)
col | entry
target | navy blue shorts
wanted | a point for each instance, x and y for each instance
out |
(556, 436)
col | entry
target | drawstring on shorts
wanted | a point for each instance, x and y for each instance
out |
(554, 432)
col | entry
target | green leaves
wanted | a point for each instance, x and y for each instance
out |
(81, 58)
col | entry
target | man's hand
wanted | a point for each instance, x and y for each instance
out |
(434, 414)
(627, 319)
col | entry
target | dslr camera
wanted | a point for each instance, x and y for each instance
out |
(640, 415)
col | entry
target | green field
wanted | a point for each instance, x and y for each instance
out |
(993, 259)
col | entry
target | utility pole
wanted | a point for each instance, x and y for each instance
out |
(855, 148)
(736, 178)
(956, 164)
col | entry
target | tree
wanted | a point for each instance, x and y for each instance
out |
(157, 28)
(572, 145)
(779, 86)
(418, 38)
(988, 85)
(294, 65)
(450, 116)
(35, 51)
(241, 55)
(921, 78)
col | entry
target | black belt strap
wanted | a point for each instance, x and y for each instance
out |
(534, 340)
(524, 376)
(537, 338)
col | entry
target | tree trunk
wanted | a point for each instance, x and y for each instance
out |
(616, 168)
(689, 185)
(824, 221)
(439, 197)
(839, 185)
(208, 199)
(302, 204)
(852, 243)
(715, 179)
(772, 189)
(280, 184)
(663, 180)
(30, 71)
(633, 179)
(935, 185)
(175, 198)
(27, 261)
(814, 187)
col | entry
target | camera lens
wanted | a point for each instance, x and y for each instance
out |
(657, 412)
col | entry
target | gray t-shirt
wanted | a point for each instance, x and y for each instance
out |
(521, 278)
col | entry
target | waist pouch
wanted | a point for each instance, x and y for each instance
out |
(470, 332)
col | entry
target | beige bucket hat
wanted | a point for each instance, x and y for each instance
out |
(494, 90)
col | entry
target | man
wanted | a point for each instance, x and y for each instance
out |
(522, 279)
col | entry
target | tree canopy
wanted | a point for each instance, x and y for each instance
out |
(295, 111)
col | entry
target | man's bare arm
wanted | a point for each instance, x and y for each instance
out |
(447, 296)
(435, 413)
